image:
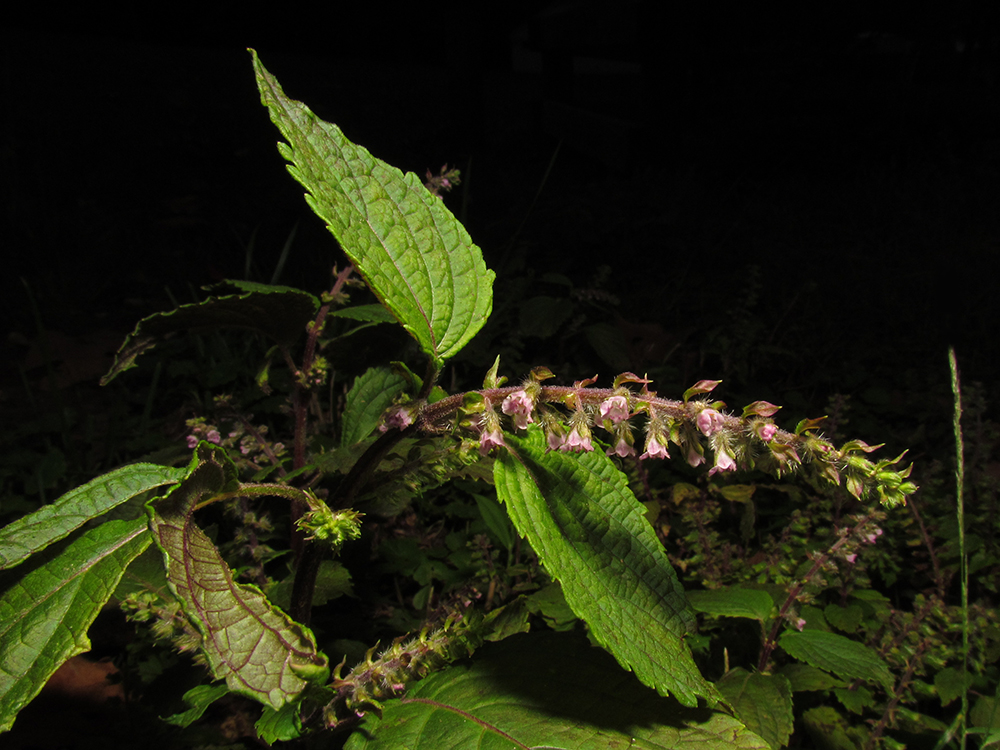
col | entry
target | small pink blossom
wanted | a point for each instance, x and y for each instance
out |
(710, 421)
(192, 441)
(723, 462)
(694, 457)
(654, 449)
(555, 441)
(800, 624)
(615, 408)
(874, 535)
(519, 406)
(213, 436)
(852, 558)
(576, 442)
(399, 418)
(623, 449)
(766, 431)
(489, 440)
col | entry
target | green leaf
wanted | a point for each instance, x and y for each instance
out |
(413, 253)
(828, 729)
(51, 523)
(279, 725)
(802, 678)
(844, 618)
(544, 690)
(732, 602)
(278, 312)
(246, 640)
(373, 392)
(365, 314)
(591, 535)
(762, 701)
(45, 616)
(838, 654)
(198, 699)
(950, 682)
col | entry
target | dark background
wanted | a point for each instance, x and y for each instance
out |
(850, 156)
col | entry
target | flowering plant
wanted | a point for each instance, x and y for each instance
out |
(554, 454)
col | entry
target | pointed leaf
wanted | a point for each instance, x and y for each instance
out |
(544, 690)
(45, 616)
(733, 602)
(247, 641)
(591, 534)
(53, 522)
(838, 654)
(415, 255)
(373, 392)
(279, 312)
(762, 701)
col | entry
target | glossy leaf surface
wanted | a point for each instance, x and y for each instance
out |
(550, 690)
(411, 250)
(591, 535)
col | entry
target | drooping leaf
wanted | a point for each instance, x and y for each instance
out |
(829, 730)
(591, 535)
(279, 312)
(545, 690)
(733, 602)
(372, 393)
(413, 253)
(762, 701)
(365, 313)
(802, 677)
(45, 616)
(51, 523)
(247, 641)
(838, 654)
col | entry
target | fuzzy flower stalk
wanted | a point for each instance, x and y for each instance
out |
(703, 430)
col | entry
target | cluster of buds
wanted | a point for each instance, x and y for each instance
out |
(700, 428)
(247, 442)
(445, 180)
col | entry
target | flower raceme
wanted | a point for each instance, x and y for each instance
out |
(750, 441)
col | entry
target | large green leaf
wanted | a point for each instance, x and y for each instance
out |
(762, 701)
(51, 523)
(415, 255)
(279, 312)
(835, 653)
(548, 690)
(591, 534)
(247, 641)
(372, 393)
(733, 602)
(44, 617)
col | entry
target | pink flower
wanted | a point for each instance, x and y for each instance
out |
(615, 408)
(623, 449)
(874, 535)
(710, 421)
(723, 462)
(399, 418)
(799, 624)
(519, 406)
(192, 441)
(694, 457)
(851, 558)
(213, 436)
(654, 449)
(490, 440)
(555, 441)
(576, 442)
(765, 430)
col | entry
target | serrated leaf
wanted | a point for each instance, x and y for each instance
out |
(733, 602)
(413, 253)
(279, 725)
(247, 641)
(373, 392)
(838, 654)
(544, 690)
(763, 702)
(278, 312)
(950, 682)
(51, 523)
(45, 616)
(803, 678)
(197, 699)
(365, 313)
(591, 535)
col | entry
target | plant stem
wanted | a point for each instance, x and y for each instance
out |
(956, 390)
